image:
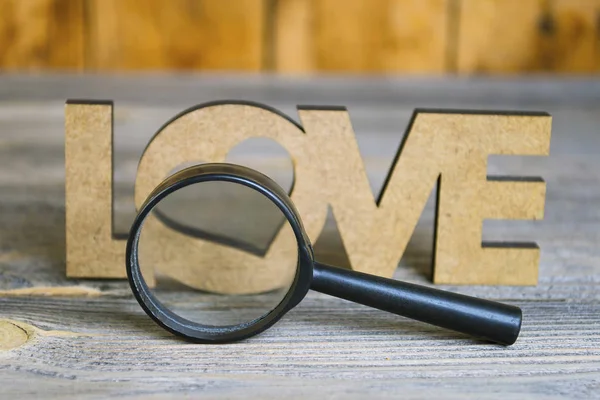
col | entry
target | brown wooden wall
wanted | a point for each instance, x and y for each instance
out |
(302, 36)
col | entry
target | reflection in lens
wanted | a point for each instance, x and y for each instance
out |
(211, 247)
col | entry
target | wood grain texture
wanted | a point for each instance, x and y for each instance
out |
(179, 35)
(324, 348)
(303, 36)
(101, 344)
(41, 34)
(360, 36)
(513, 36)
(575, 41)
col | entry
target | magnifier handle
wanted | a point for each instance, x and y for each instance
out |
(485, 319)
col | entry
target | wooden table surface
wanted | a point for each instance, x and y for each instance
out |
(67, 338)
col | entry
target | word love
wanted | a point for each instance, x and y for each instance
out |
(449, 149)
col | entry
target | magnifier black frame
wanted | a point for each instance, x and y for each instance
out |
(208, 333)
(497, 322)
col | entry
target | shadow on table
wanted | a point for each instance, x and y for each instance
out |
(329, 249)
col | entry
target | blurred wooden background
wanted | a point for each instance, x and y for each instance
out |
(302, 36)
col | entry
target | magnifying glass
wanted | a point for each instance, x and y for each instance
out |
(246, 316)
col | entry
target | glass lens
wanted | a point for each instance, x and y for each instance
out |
(218, 253)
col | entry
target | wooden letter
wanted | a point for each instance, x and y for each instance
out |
(450, 148)
(92, 251)
(447, 148)
(206, 133)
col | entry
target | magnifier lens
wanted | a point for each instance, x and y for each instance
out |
(221, 253)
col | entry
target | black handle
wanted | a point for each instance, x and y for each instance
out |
(486, 319)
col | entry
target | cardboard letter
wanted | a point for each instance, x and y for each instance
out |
(92, 250)
(451, 148)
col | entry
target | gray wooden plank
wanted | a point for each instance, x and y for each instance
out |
(326, 347)
(324, 338)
